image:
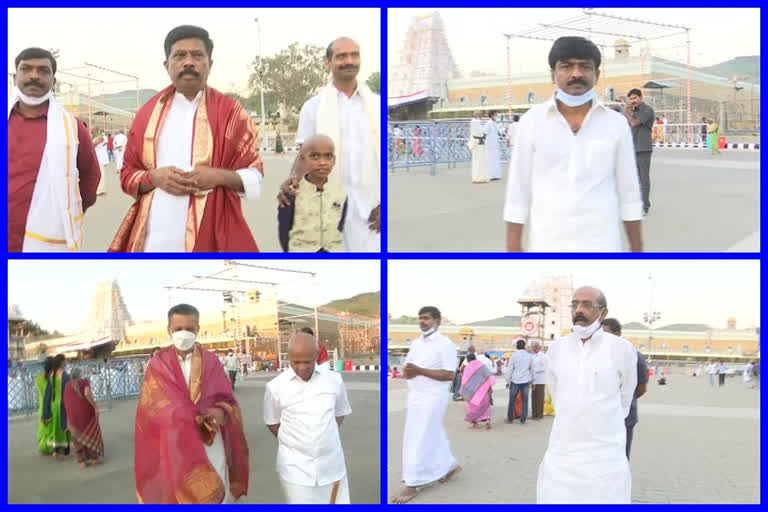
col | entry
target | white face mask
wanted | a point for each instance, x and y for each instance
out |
(428, 331)
(586, 332)
(31, 100)
(183, 340)
(575, 101)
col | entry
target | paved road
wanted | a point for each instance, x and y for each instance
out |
(693, 444)
(36, 479)
(103, 218)
(700, 203)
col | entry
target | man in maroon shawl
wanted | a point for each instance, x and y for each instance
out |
(189, 441)
(192, 153)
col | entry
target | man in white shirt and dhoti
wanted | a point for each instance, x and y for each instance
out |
(478, 148)
(304, 408)
(349, 113)
(592, 377)
(100, 145)
(120, 141)
(429, 367)
(494, 147)
(572, 175)
(192, 155)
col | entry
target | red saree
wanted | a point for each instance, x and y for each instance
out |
(223, 137)
(170, 462)
(82, 421)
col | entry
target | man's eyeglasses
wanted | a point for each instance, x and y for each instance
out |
(586, 304)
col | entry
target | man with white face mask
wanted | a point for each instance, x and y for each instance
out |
(572, 174)
(190, 445)
(592, 377)
(52, 167)
(429, 368)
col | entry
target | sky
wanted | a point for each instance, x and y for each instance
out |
(57, 294)
(131, 40)
(695, 291)
(476, 40)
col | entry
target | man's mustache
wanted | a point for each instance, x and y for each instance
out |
(34, 82)
(580, 317)
(189, 71)
(577, 81)
(348, 66)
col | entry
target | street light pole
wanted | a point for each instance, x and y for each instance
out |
(651, 316)
(261, 89)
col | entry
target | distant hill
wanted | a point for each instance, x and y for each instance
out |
(414, 320)
(366, 304)
(504, 321)
(634, 325)
(741, 66)
(126, 100)
(684, 327)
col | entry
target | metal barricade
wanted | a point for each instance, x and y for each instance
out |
(432, 143)
(114, 380)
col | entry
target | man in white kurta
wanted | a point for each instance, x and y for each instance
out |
(349, 113)
(304, 407)
(572, 175)
(592, 377)
(429, 367)
(119, 143)
(100, 145)
(494, 148)
(479, 149)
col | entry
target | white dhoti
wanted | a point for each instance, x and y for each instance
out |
(119, 159)
(565, 479)
(318, 495)
(427, 453)
(480, 164)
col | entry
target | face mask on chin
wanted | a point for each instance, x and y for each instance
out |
(183, 340)
(575, 101)
(427, 332)
(586, 332)
(33, 101)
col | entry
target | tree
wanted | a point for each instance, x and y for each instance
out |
(374, 82)
(292, 76)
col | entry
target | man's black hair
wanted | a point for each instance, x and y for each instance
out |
(36, 53)
(188, 32)
(635, 92)
(307, 330)
(613, 325)
(430, 310)
(520, 344)
(574, 47)
(183, 309)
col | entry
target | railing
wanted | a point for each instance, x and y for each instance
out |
(429, 143)
(112, 380)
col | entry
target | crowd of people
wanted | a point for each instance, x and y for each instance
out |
(190, 445)
(190, 157)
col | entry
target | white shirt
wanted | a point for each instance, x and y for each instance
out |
(309, 447)
(232, 363)
(476, 127)
(215, 452)
(355, 131)
(540, 368)
(433, 352)
(167, 223)
(487, 362)
(712, 369)
(573, 189)
(119, 141)
(592, 385)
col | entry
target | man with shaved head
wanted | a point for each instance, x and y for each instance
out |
(592, 376)
(303, 408)
(350, 114)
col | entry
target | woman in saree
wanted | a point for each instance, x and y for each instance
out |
(83, 418)
(476, 387)
(58, 437)
(43, 427)
(714, 136)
